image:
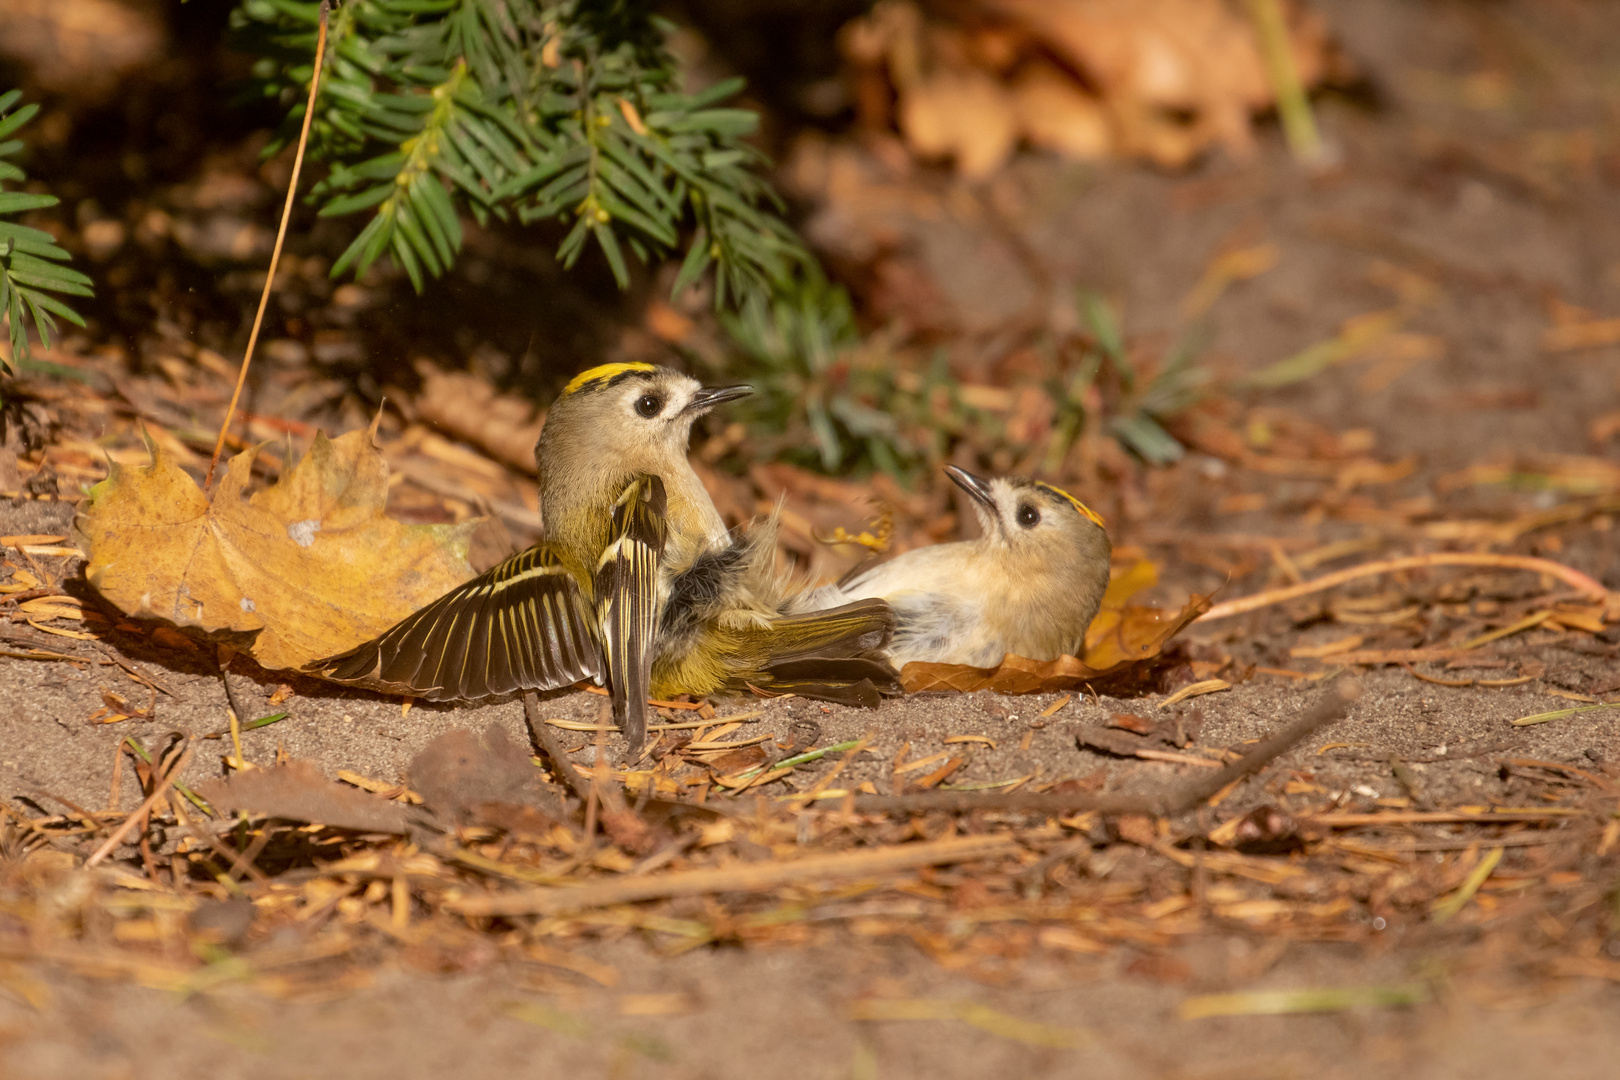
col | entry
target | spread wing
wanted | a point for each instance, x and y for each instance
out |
(628, 601)
(522, 625)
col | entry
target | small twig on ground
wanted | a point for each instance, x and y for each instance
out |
(826, 781)
(1568, 575)
(546, 742)
(116, 784)
(238, 863)
(1175, 800)
(618, 819)
(16, 599)
(593, 796)
(668, 853)
(281, 236)
(158, 789)
(231, 703)
(135, 672)
(83, 815)
(749, 877)
(1462, 843)
(43, 654)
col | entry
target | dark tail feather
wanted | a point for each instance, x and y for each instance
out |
(847, 680)
(832, 655)
(860, 695)
(859, 629)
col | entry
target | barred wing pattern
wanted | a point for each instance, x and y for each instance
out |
(628, 603)
(522, 625)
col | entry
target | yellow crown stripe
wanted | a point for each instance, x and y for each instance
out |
(1085, 511)
(603, 373)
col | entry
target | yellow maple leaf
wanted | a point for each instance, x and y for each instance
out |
(311, 563)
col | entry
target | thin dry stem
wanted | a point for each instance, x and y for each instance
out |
(750, 877)
(547, 740)
(1175, 800)
(140, 814)
(275, 252)
(1569, 575)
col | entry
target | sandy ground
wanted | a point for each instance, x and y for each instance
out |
(786, 1014)
(1423, 183)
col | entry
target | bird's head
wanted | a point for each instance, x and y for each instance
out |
(1043, 529)
(640, 415)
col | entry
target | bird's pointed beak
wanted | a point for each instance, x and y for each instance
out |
(976, 486)
(710, 396)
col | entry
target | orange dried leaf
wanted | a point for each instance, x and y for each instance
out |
(1054, 112)
(470, 408)
(1140, 633)
(312, 564)
(1590, 334)
(962, 114)
(1127, 656)
(1121, 587)
(1193, 56)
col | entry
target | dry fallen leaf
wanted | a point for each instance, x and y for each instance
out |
(1056, 113)
(311, 563)
(1143, 574)
(1195, 56)
(1128, 657)
(471, 409)
(461, 775)
(299, 791)
(962, 114)
(1086, 78)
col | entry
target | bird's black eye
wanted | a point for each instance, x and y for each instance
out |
(649, 405)
(1028, 516)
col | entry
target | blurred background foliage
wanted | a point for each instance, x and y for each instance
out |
(575, 112)
(455, 137)
(836, 401)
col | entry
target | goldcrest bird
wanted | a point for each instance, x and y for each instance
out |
(638, 582)
(1030, 585)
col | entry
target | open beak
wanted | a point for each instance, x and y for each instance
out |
(709, 397)
(976, 486)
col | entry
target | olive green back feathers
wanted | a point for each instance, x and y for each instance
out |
(638, 583)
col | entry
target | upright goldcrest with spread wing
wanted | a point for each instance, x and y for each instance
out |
(1030, 585)
(638, 582)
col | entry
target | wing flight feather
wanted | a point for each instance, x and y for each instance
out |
(521, 625)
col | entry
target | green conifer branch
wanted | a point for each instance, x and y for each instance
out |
(31, 263)
(529, 109)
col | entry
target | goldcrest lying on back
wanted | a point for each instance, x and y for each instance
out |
(1030, 585)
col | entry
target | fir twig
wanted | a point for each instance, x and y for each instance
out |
(30, 259)
(531, 110)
